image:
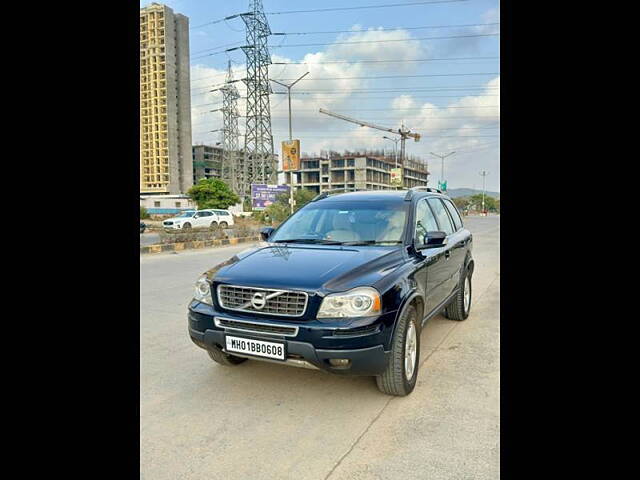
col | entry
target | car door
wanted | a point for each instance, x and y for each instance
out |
(459, 241)
(204, 219)
(449, 269)
(432, 271)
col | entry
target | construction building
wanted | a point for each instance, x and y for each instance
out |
(355, 172)
(207, 162)
(166, 165)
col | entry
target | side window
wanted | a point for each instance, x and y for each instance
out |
(204, 214)
(441, 215)
(454, 214)
(425, 222)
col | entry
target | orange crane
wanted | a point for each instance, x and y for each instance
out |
(403, 132)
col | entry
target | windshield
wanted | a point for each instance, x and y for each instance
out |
(186, 214)
(345, 223)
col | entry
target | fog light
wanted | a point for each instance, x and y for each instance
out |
(339, 362)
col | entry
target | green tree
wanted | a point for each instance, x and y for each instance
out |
(490, 203)
(212, 193)
(143, 212)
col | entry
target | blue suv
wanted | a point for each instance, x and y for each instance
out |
(344, 285)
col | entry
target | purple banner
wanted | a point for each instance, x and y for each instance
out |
(263, 195)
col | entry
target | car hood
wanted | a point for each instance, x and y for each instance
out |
(308, 267)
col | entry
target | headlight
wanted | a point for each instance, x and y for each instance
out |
(203, 290)
(359, 302)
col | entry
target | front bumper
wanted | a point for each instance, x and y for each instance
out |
(313, 345)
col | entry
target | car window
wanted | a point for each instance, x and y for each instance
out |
(454, 214)
(204, 214)
(358, 221)
(424, 221)
(444, 222)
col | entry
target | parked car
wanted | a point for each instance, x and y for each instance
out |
(206, 218)
(143, 226)
(344, 285)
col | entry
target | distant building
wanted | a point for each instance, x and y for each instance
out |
(355, 172)
(165, 102)
(207, 162)
(166, 204)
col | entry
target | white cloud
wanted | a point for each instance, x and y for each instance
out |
(441, 127)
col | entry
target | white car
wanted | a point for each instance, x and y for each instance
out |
(208, 218)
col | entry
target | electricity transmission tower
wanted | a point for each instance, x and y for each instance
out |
(260, 163)
(232, 165)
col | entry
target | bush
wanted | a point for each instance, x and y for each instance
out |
(143, 213)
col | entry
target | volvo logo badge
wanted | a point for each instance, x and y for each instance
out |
(259, 300)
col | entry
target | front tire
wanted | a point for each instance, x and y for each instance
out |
(213, 225)
(186, 226)
(225, 359)
(402, 370)
(460, 307)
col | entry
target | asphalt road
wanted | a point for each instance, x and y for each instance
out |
(200, 420)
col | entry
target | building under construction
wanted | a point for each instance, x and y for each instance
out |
(355, 171)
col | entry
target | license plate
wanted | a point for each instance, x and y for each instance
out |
(258, 348)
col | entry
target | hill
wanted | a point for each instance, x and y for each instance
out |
(466, 192)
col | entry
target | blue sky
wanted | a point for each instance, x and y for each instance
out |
(454, 107)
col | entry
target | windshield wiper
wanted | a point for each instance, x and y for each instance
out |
(371, 242)
(309, 240)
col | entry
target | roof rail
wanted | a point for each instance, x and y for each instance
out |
(420, 188)
(334, 191)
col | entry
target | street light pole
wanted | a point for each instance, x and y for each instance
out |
(483, 173)
(288, 87)
(442, 157)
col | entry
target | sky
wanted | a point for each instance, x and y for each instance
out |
(446, 89)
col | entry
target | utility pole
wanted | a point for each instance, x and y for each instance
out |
(483, 173)
(442, 157)
(291, 174)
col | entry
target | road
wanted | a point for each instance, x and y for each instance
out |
(200, 420)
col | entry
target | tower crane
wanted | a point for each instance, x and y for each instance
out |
(403, 132)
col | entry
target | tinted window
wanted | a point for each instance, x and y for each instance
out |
(204, 214)
(380, 222)
(454, 214)
(425, 221)
(441, 215)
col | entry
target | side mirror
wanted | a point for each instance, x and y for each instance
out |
(432, 240)
(265, 232)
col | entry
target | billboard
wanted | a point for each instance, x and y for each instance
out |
(263, 195)
(291, 155)
(396, 177)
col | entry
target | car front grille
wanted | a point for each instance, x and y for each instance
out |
(168, 223)
(252, 327)
(264, 301)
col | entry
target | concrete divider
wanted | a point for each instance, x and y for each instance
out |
(176, 247)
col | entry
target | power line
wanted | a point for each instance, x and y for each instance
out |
(387, 29)
(447, 37)
(401, 76)
(364, 6)
(386, 61)
(385, 41)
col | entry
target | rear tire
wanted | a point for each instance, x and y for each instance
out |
(460, 307)
(224, 224)
(394, 379)
(225, 359)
